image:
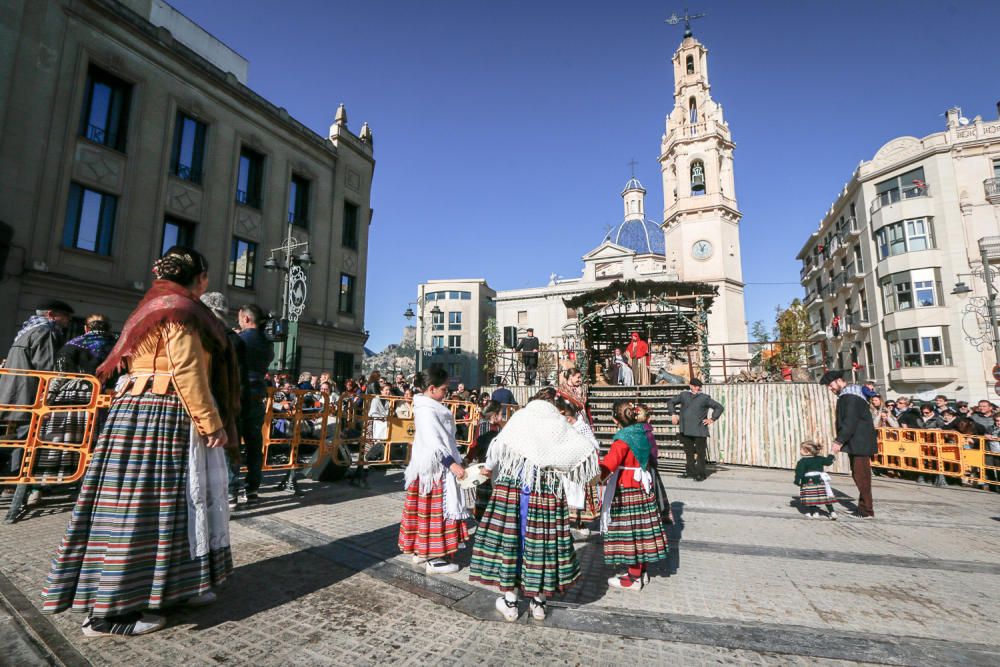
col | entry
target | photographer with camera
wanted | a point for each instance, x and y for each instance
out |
(259, 354)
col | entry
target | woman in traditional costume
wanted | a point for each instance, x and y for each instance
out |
(151, 525)
(638, 352)
(630, 521)
(523, 542)
(434, 514)
(572, 388)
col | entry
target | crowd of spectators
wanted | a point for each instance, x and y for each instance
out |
(981, 418)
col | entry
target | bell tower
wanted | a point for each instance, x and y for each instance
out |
(700, 214)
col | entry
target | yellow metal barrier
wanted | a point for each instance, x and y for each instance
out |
(296, 426)
(380, 429)
(949, 454)
(50, 440)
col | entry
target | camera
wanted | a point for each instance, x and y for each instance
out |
(276, 330)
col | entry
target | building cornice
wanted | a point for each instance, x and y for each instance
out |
(163, 39)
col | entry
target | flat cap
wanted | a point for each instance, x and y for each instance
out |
(830, 376)
(695, 382)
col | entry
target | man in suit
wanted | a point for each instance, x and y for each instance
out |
(690, 409)
(855, 435)
(528, 347)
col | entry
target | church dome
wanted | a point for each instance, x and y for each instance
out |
(642, 236)
(633, 184)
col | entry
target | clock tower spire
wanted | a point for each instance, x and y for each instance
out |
(700, 214)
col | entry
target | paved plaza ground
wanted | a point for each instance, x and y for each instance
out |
(319, 581)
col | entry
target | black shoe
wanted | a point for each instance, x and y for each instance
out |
(685, 475)
(252, 496)
(699, 478)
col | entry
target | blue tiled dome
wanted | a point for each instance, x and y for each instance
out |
(633, 184)
(643, 236)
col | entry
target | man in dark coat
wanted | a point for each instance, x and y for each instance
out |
(503, 395)
(259, 354)
(690, 409)
(528, 347)
(34, 349)
(855, 435)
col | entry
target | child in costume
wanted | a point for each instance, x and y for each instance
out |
(523, 542)
(813, 482)
(630, 521)
(644, 416)
(586, 497)
(433, 524)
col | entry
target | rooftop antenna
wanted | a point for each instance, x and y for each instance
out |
(673, 19)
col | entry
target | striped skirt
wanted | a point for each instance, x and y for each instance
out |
(548, 562)
(423, 530)
(635, 533)
(812, 494)
(126, 548)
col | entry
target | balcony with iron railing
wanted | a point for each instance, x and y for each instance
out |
(248, 199)
(992, 187)
(896, 195)
(186, 173)
(809, 267)
(851, 227)
(100, 135)
(839, 282)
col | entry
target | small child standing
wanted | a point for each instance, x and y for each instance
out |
(644, 416)
(433, 523)
(813, 482)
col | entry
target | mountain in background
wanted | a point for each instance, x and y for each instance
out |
(395, 358)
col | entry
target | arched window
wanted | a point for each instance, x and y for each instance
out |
(697, 178)
(693, 111)
(690, 64)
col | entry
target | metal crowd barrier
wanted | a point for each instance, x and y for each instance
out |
(50, 440)
(944, 454)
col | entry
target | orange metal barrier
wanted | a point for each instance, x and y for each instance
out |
(949, 454)
(50, 440)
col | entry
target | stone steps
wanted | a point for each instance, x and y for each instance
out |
(601, 399)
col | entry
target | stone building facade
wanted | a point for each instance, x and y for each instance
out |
(451, 317)
(881, 272)
(125, 128)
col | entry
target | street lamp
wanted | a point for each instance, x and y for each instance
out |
(295, 285)
(420, 303)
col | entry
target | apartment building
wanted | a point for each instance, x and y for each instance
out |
(892, 274)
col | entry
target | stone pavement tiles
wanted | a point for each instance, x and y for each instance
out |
(319, 581)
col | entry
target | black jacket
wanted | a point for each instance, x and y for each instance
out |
(855, 428)
(909, 418)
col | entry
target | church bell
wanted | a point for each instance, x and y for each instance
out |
(697, 179)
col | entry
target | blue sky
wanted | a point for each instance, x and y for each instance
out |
(503, 130)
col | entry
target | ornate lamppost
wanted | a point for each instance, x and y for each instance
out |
(295, 287)
(420, 303)
(979, 317)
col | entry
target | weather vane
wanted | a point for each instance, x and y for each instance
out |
(673, 19)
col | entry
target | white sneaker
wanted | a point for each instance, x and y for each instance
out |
(34, 497)
(833, 516)
(441, 566)
(537, 609)
(580, 533)
(507, 609)
(202, 600)
(418, 560)
(99, 627)
(635, 585)
(810, 515)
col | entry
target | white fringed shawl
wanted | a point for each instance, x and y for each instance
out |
(538, 445)
(434, 440)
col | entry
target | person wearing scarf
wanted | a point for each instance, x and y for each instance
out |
(150, 528)
(434, 514)
(81, 355)
(630, 521)
(523, 542)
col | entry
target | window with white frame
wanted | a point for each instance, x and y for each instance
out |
(454, 320)
(919, 288)
(454, 344)
(437, 344)
(918, 347)
(905, 236)
(437, 321)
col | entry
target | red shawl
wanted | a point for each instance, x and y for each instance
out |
(166, 302)
(637, 349)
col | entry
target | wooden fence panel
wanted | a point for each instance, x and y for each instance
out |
(764, 423)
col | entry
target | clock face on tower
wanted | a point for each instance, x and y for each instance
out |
(701, 249)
